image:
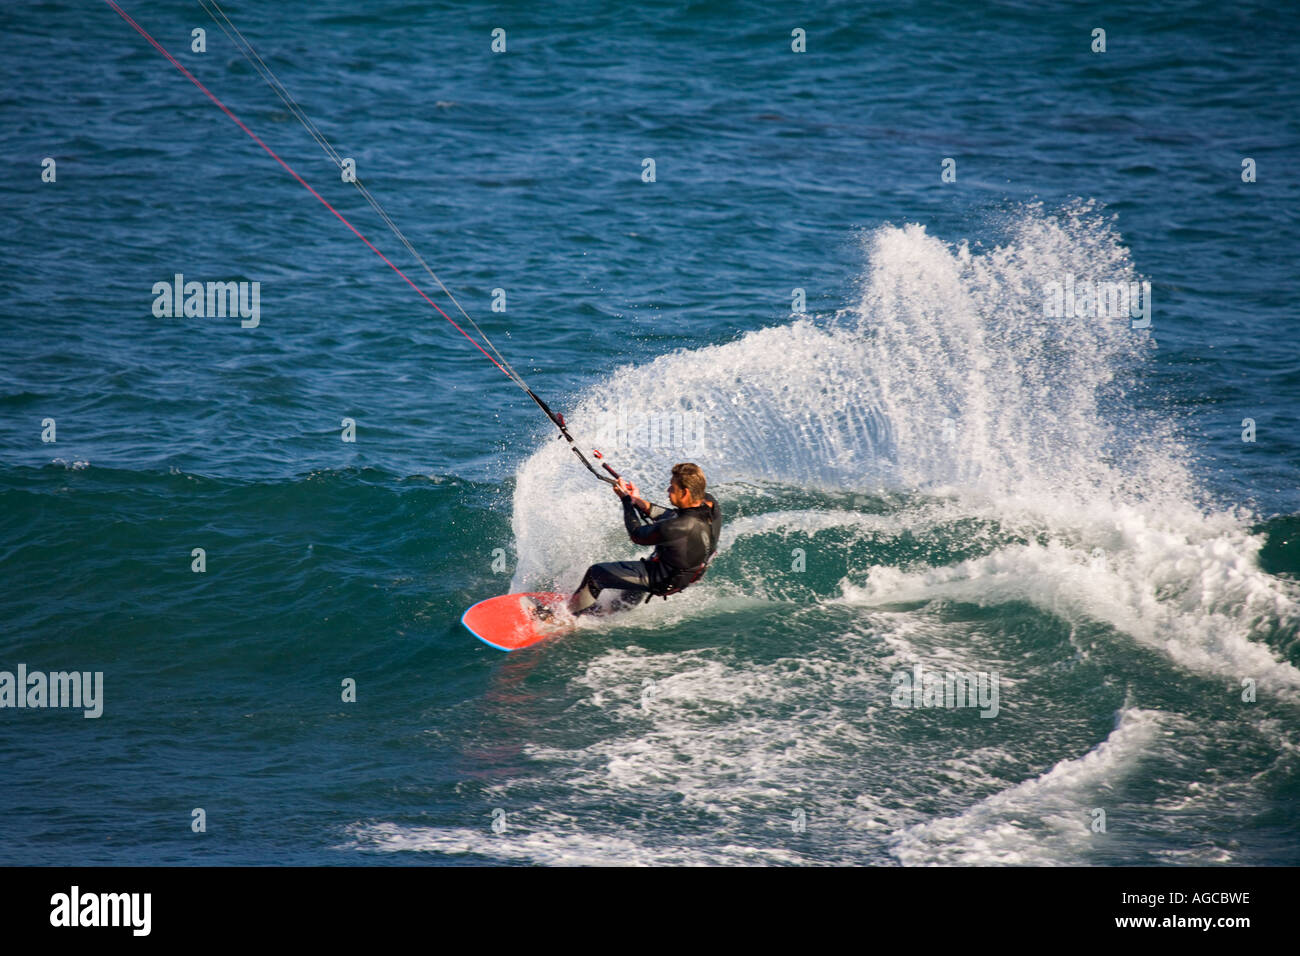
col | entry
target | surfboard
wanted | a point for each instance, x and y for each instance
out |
(507, 622)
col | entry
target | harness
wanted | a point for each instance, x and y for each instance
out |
(656, 592)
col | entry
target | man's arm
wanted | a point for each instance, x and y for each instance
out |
(627, 491)
(646, 508)
(645, 534)
(638, 532)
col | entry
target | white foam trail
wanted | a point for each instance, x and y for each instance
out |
(684, 740)
(553, 848)
(736, 743)
(1041, 822)
(1191, 589)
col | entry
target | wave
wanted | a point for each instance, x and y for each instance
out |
(946, 389)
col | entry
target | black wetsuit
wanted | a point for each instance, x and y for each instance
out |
(684, 540)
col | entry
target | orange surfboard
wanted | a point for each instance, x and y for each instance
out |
(507, 622)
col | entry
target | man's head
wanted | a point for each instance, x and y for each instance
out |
(686, 490)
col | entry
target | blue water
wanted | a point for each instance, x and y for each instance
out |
(923, 468)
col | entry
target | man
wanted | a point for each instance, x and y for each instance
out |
(684, 537)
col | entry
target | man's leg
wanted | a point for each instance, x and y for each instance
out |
(629, 576)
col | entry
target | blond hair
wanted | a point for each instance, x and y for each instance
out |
(688, 476)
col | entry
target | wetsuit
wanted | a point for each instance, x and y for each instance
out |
(684, 540)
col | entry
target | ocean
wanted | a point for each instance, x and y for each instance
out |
(985, 340)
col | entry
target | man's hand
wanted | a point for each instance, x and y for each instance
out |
(624, 488)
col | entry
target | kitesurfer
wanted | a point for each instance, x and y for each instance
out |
(684, 538)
